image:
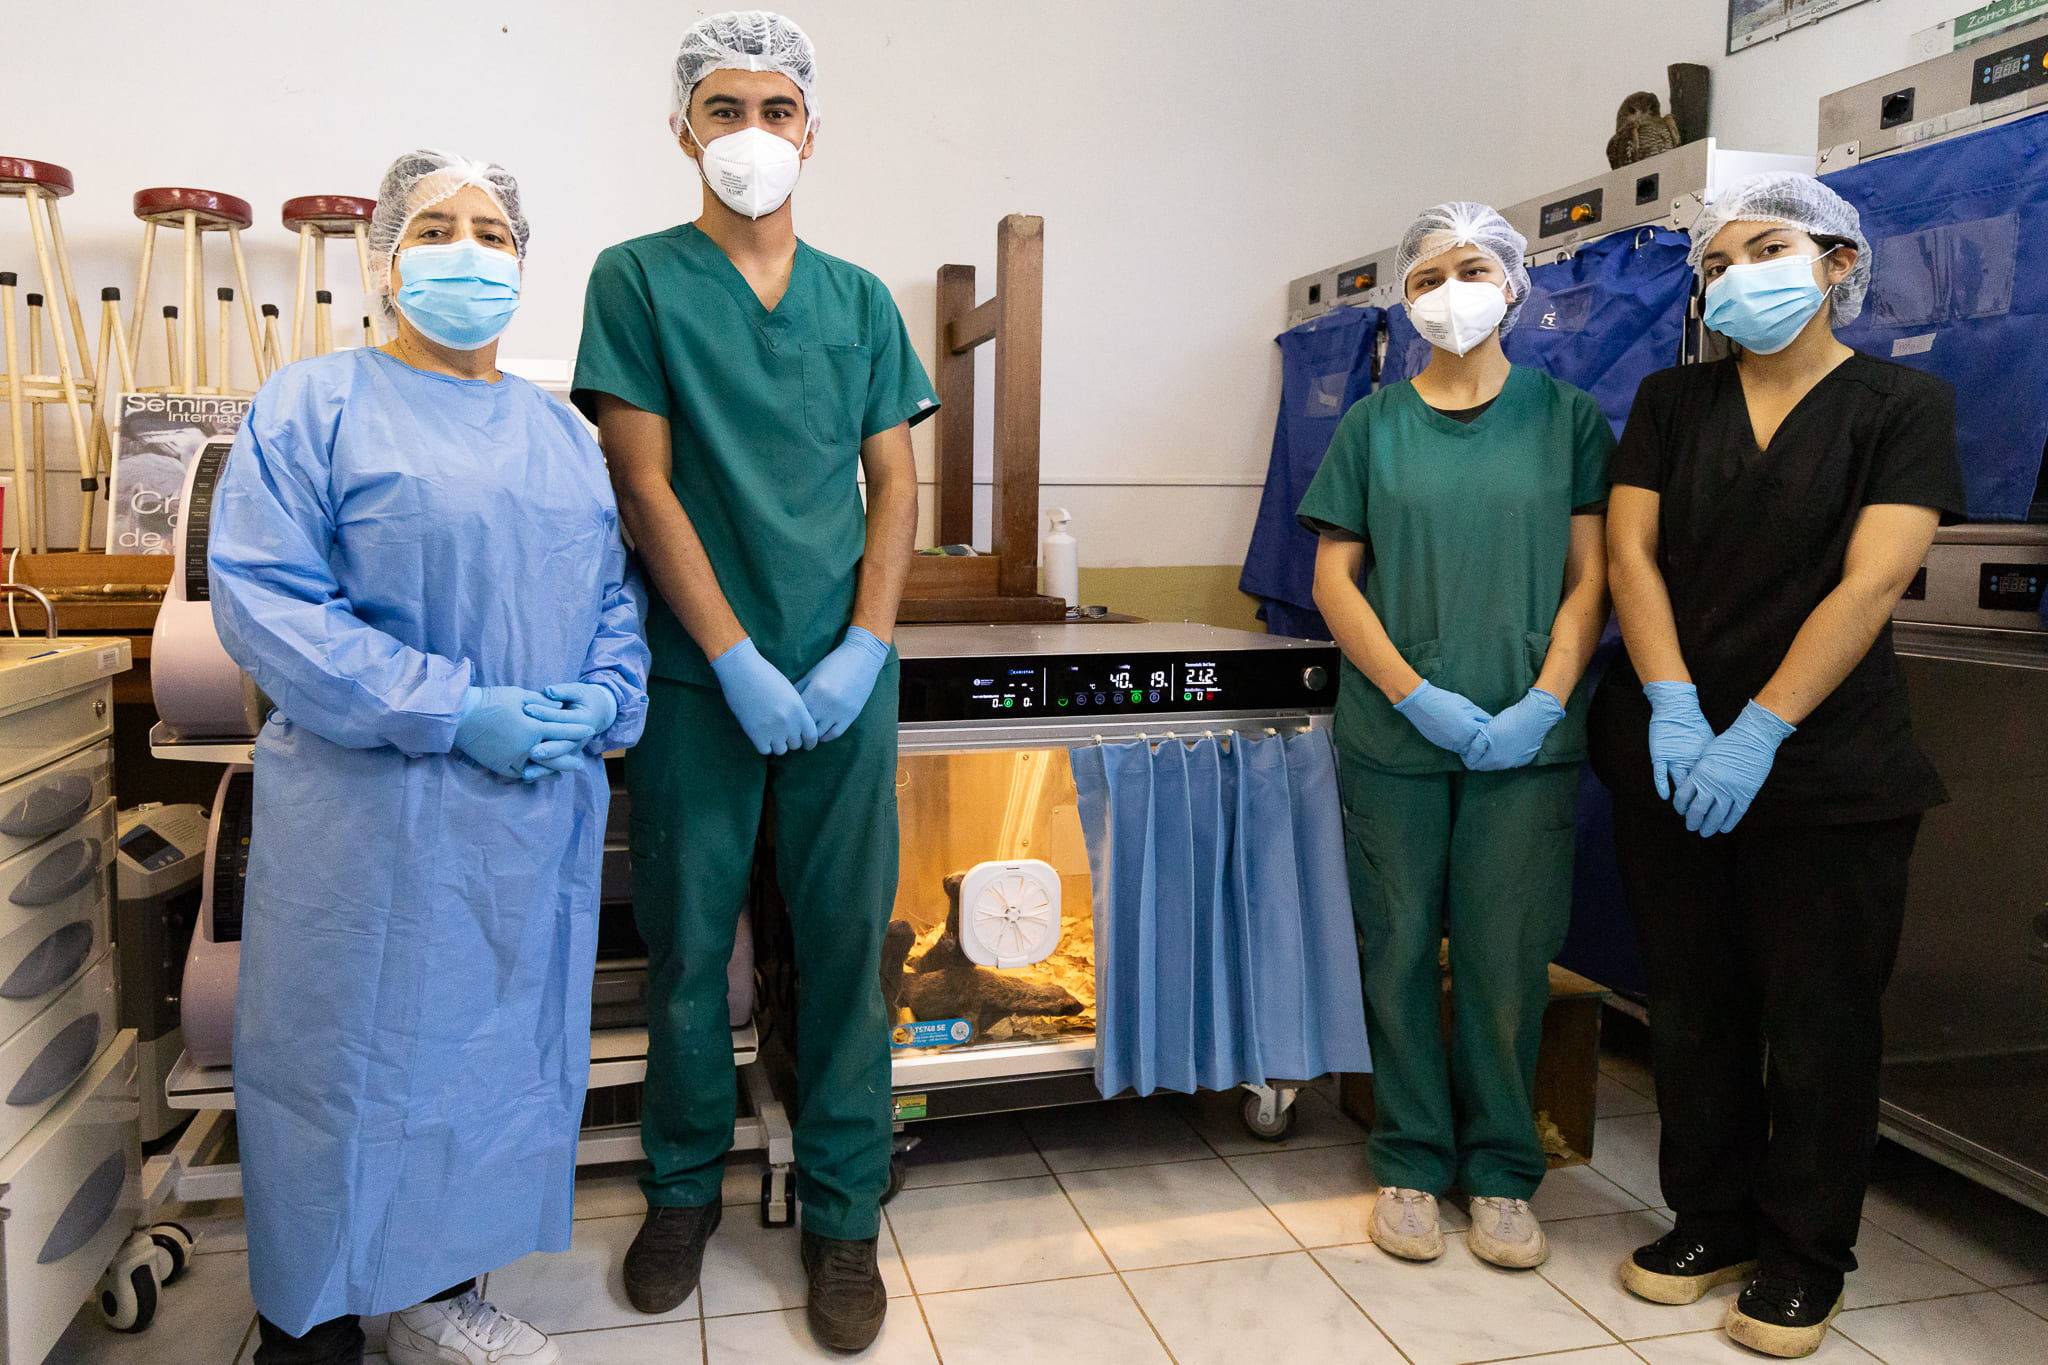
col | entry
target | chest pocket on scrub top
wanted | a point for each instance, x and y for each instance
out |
(835, 391)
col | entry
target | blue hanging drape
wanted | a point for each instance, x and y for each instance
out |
(1225, 951)
(1959, 287)
(1325, 367)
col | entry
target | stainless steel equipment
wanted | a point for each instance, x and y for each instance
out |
(990, 718)
(1966, 1017)
(1668, 190)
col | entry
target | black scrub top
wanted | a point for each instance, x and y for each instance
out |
(1750, 541)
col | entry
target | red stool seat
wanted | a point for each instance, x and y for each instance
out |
(335, 214)
(18, 172)
(168, 206)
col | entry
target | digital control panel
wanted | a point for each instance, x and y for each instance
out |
(1064, 686)
(1356, 280)
(2009, 71)
(2010, 587)
(1579, 211)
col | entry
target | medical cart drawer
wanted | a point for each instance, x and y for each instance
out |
(44, 731)
(48, 953)
(70, 1193)
(58, 869)
(41, 1062)
(34, 807)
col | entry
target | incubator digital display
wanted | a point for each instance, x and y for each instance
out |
(2005, 73)
(1356, 280)
(1111, 684)
(1006, 692)
(1579, 211)
(2011, 587)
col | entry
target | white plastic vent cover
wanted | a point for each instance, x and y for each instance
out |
(1010, 913)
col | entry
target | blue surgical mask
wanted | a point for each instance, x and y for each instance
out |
(1763, 305)
(458, 293)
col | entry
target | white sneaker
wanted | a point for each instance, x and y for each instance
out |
(1404, 1224)
(1507, 1234)
(468, 1330)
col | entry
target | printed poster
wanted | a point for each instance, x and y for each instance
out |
(158, 437)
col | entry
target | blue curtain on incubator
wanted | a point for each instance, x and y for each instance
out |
(1959, 287)
(1225, 952)
(1601, 321)
(1325, 367)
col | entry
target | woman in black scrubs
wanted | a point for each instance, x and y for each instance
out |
(1768, 511)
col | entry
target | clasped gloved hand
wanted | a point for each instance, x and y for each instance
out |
(580, 704)
(496, 731)
(1727, 777)
(763, 701)
(1511, 739)
(837, 689)
(1446, 719)
(1679, 734)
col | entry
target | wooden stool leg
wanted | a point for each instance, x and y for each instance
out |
(224, 354)
(70, 291)
(38, 433)
(323, 313)
(188, 323)
(299, 292)
(89, 470)
(205, 380)
(141, 297)
(121, 347)
(39, 228)
(362, 235)
(248, 306)
(17, 426)
(171, 345)
(273, 354)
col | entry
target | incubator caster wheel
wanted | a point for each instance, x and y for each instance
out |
(1268, 1114)
(778, 1209)
(173, 1241)
(128, 1291)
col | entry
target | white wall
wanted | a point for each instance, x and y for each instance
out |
(1189, 157)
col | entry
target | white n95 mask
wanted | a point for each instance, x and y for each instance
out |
(752, 171)
(1458, 314)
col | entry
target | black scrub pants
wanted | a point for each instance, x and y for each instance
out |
(338, 1341)
(1768, 950)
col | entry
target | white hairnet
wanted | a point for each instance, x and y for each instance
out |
(1797, 201)
(1462, 223)
(419, 180)
(742, 40)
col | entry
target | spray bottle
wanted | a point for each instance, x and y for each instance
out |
(1059, 561)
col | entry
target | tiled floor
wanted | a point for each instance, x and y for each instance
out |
(1158, 1231)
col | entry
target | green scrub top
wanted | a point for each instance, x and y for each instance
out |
(766, 411)
(1466, 528)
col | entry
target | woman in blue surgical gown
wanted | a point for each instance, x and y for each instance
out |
(418, 559)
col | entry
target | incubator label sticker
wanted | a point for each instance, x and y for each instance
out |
(109, 660)
(932, 1033)
(910, 1107)
(1919, 345)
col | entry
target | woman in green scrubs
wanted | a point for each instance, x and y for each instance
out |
(1471, 500)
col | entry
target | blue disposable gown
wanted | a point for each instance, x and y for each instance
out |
(412, 1031)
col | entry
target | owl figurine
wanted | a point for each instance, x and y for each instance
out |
(1641, 130)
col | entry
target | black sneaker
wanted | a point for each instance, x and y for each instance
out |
(1782, 1316)
(667, 1255)
(1680, 1268)
(847, 1301)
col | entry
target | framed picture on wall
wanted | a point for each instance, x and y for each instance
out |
(1756, 21)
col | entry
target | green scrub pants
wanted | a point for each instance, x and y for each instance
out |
(698, 789)
(1485, 858)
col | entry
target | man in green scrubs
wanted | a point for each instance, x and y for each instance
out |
(1472, 499)
(739, 378)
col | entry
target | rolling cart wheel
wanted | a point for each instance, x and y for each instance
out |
(128, 1296)
(896, 1172)
(174, 1241)
(778, 1210)
(1264, 1129)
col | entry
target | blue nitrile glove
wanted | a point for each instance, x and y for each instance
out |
(1511, 739)
(1679, 734)
(554, 756)
(1445, 719)
(496, 731)
(1727, 777)
(837, 689)
(763, 701)
(584, 703)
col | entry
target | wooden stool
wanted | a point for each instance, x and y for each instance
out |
(197, 212)
(39, 185)
(316, 217)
